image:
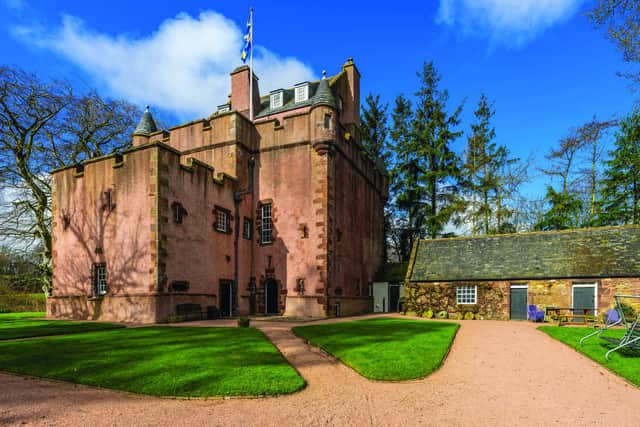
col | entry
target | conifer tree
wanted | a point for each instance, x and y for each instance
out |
(621, 183)
(407, 222)
(433, 130)
(427, 169)
(375, 131)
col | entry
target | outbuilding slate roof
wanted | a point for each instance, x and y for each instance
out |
(584, 253)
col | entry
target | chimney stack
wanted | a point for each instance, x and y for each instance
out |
(240, 91)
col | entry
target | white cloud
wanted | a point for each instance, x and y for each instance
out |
(182, 67)
(511, 22)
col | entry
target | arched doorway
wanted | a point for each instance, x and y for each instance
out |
(271, 297)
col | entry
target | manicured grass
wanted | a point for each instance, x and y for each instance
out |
(160, 361)
(385, 349)
(21, 325)
(625, 362)
(24, 315)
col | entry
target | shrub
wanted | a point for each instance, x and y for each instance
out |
(12, 302)
(244, 322)
(443, 315)
(428, 314)
(468, 316)
(478, 316)
(459, 316)
(411, 313)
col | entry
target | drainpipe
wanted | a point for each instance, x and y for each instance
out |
(237, 198)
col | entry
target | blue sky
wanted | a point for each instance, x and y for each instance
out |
(541, 61)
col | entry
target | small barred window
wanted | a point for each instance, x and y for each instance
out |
(466, 294)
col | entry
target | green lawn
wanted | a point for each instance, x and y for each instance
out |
(24, 315)
(160, 361)
(14, 326)
(625, 363)
(385, 349)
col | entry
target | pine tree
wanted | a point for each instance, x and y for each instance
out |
(621, 183)
(433, 130)
(375, 132)
(408, 220)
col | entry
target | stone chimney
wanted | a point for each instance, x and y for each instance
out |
(240, 91)
(351, 108)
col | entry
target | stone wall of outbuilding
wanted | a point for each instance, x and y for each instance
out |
(493, 297)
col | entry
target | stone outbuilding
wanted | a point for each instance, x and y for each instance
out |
(496, 277)
(281, 213)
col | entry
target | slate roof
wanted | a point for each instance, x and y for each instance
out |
(585, 253)
(147, 125)
(319, 93)
(391, 272)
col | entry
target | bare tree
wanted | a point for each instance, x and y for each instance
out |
(43, 126)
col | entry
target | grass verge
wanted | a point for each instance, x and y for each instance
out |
(24, 315)
(625, 363)
(160, 361)
(385, 349)
(25, 327)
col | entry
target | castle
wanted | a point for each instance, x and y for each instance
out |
(282, 214)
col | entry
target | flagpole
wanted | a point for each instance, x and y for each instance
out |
(251, 64)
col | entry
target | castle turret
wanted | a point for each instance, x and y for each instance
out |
(145, 127)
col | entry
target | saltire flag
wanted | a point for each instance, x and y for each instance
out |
(247, 41)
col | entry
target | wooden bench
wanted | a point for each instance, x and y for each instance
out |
(189, 311)
(570, 315)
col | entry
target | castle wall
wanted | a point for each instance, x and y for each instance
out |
(87, 229)
(194, 252)
(289, 176)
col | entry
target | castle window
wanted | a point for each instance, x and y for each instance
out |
(99, 274)
(466, 294)
(300, 286)
(340, 104)
(107, 200)
(305, 231)
(179, 212)
(265, 222)
(223, 220)
(302, 92)
(276, 99)
(327, 121)
(246, 229)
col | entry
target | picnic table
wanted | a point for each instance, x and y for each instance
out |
(571, 315)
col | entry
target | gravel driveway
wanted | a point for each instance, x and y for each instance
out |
(498, 373)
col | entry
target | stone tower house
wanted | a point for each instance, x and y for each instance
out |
(279, 215)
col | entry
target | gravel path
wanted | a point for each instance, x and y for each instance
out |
(498, 373)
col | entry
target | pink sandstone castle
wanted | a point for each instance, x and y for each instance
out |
(279, 215)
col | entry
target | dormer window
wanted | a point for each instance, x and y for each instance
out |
(224, 108)
(276, 99)
(301, 92)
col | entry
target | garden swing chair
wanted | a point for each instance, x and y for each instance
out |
(615, 317)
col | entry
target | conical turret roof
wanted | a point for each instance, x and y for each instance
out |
(323, 93)
(147, 125)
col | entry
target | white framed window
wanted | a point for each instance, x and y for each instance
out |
(466, 294)
(275, 100)
(222, 221)
(265, 221)
(99, 279)
(302, 92)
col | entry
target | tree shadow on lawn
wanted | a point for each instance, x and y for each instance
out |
(162, 361)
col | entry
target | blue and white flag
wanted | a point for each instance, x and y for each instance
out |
(246, 50)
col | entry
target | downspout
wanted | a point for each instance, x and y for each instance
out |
(237, 198)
